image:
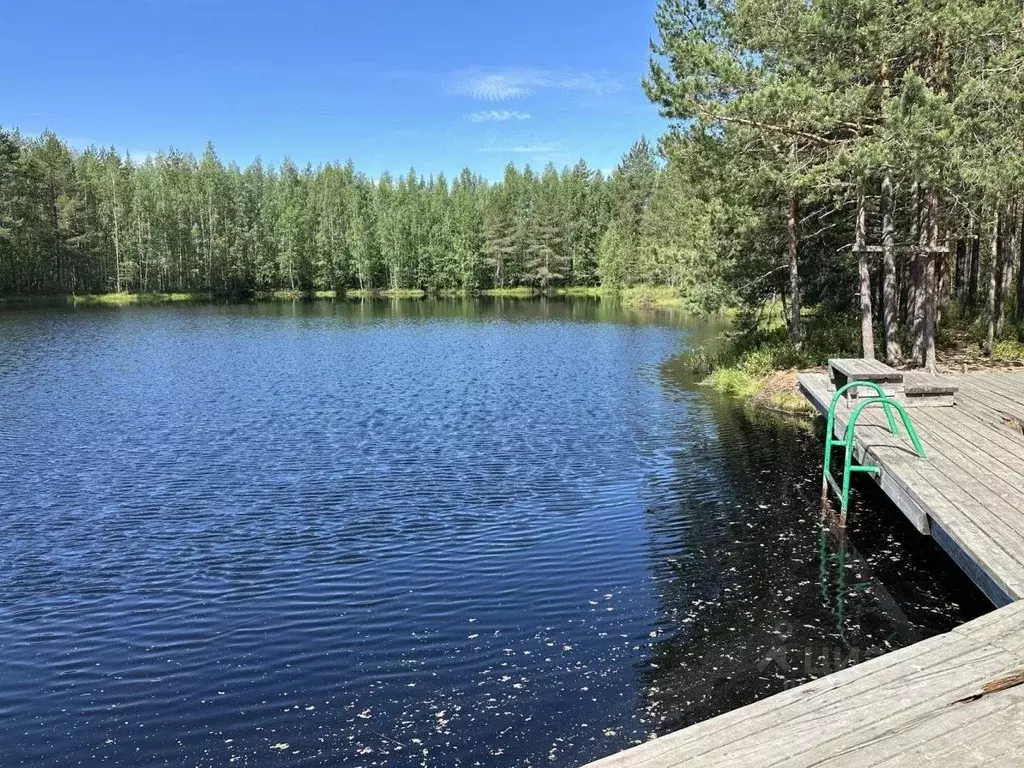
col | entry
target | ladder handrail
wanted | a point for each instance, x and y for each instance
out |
(888, 403)
(879, 392)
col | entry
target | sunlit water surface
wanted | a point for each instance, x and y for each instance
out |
(422, 533)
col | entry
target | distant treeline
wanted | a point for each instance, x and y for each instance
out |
(95, 221)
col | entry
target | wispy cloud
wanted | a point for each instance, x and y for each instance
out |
(502, 85)
(496, 116)
(490, 87)
(523, 149)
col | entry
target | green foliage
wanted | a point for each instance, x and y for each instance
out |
(612, 257)
(510, 293)
(733, 381)
(797, 109)
(96, 222)
(704, 361)
(1009, 349)
(759, 348)
(758, 390)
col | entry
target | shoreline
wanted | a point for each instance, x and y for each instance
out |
(777, 392)
(773, 392)
(643, 297)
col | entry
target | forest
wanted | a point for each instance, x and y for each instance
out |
(95, 221)
(858, 157)
(855, 159)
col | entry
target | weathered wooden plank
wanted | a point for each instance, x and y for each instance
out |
(843, 370)
(977, 410)
(1008, 387)
(975, 733)
(996, 457)
(863, 710)
(1003, 628)
(998, 443)
(927, 384)
(1011, 383)
(986, 480)
(990, 394)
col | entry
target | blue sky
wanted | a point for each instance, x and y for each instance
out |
(392, 85)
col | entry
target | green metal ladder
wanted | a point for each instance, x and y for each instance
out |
(847, 440)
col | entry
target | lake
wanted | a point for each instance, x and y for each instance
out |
(421, 533)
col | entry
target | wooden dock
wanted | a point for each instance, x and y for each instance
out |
(969, 491)
(952, 700)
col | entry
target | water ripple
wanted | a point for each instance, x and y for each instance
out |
(459, 534)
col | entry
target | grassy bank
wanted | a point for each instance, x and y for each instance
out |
(651, 297)
(510, 293)
(122, 299)
(639, 297)
(398, 293)
(111, 299)
(758, 364)
(776, 391)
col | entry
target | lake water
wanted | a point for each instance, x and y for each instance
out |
(410, 534)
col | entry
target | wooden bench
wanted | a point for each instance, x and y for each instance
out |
(913, 388)
(843, 370)
(927, 389)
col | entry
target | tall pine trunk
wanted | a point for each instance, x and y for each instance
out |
(943, 282)
(993, 279)
(1006, 248)
(890, 286)
(974, 272)
(867, 331)
(1019, 309)
(918, 279)
(930, 317)
(930, 314)
(960, 270)
(796, 328)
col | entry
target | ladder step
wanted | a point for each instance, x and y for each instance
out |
(865, 468)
